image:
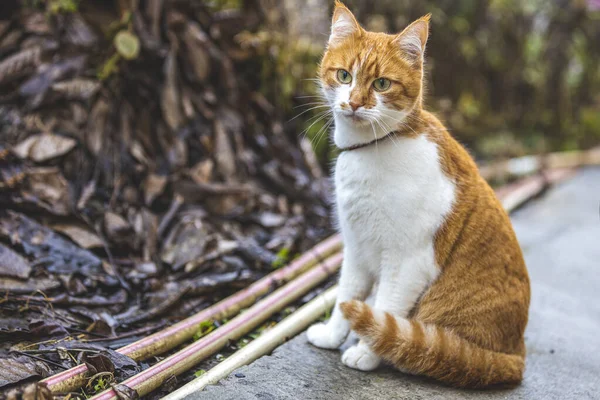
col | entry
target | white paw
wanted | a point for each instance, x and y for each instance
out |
(361, 357)
(325, 337)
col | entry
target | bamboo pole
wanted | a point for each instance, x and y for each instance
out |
(183, 331)
(527, 165)
(516, 194)
(264, 344)
(151, 378)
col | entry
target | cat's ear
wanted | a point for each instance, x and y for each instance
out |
(412, 40)
(343, 24)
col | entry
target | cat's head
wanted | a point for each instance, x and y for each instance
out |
(372, 81)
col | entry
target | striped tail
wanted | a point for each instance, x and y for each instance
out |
(432, 351)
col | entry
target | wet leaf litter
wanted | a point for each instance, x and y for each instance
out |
(142, 178)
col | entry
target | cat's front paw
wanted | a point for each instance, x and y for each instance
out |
(325, 336)
(361, 357)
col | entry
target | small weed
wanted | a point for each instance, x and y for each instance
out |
(206, 327)
(282, 258)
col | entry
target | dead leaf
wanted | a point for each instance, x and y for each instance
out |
(26, 287)
(14, 370)
(124, 392)
(33, 391)
(197, 43)
(154, 187)
(202, 172)
(271, 220)
(212, 282)
(123, 366)
(37, 391)
(170, 384)
(96, 127)
(115, 226)
(44, 146)
(46, 328)
(147, 232)
(167, 300)
(21, 63)
(13, 327)
(137, 150)
(78, 32)
(77, 89)
(37, 23)
(224, 155)
(223, 247)
(81, 236)
(98, 363)
(94, 301)
(58, 254)
(87, 192)
(11, 175)
(36, 87)
(170, 103)
(185, 243)
(12, 264)
(48, 188)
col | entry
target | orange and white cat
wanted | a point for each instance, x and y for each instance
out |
(418, 223)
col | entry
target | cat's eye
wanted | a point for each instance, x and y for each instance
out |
(344, 76)
(382, 84)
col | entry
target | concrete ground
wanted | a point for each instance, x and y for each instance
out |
(560, 236)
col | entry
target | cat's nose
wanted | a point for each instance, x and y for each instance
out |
(354, 106)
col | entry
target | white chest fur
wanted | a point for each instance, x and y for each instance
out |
(391, 198)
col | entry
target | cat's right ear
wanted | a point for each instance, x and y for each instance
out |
(343, 24)
(413, 39)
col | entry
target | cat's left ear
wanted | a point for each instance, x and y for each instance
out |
(413, 39)
(343, 24)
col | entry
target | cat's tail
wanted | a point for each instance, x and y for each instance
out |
(431, 350)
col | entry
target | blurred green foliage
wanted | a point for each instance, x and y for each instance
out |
(508, 77)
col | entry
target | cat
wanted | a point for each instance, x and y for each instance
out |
(452, 289)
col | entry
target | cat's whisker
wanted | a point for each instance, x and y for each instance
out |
(322, 116)
(305, 111)
(312, 104)
(315, 119)
(392, 117)
(385, 128)
(323, 131)
(375, 136)
(310, 97)
(403, 124)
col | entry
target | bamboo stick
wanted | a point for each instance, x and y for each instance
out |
(151, 378)
(183, 331)
(527, 165)
(516, 194)
(264, 344)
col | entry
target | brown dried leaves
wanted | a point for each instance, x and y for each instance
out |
(44, 146)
